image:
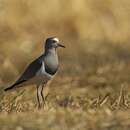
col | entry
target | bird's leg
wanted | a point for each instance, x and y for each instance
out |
(38, 99)
(43, 98)
(46, 96)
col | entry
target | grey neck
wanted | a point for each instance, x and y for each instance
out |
(51, 61)
(51, 51)
(52, 55)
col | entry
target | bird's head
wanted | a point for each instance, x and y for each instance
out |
(53, 42)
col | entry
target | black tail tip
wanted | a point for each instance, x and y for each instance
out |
(6, 89)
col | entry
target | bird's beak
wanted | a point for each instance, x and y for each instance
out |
(60, 45)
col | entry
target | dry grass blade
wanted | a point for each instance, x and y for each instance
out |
(104, 100)
(14, 99)
(121, 99)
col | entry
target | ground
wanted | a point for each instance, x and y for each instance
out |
(94, 97)
(91, 91)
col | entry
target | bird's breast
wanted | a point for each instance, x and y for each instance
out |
(51, 64)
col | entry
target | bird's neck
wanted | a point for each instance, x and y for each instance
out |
(52, 51)
(51, 61)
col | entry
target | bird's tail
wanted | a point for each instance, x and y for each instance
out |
(9, 88)
(14, 85)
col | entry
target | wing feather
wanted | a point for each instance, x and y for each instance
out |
(29, 73)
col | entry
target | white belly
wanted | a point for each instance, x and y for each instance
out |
(41, 79)
(42, 75)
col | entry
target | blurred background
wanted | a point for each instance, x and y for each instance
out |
(96, 34)
(94, 69)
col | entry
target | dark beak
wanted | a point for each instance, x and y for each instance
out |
(60, 45)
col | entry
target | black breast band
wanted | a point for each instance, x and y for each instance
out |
(50, 71)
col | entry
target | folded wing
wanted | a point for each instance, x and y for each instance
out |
(29, 73)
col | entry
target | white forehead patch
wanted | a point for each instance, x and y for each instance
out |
(56, 39)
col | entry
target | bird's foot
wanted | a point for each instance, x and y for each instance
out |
(45, 104)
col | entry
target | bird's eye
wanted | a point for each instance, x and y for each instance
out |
(53, 41)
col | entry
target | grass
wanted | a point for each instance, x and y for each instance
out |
(96, 97)
(92, 88)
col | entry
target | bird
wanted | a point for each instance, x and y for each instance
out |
(41, 70)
